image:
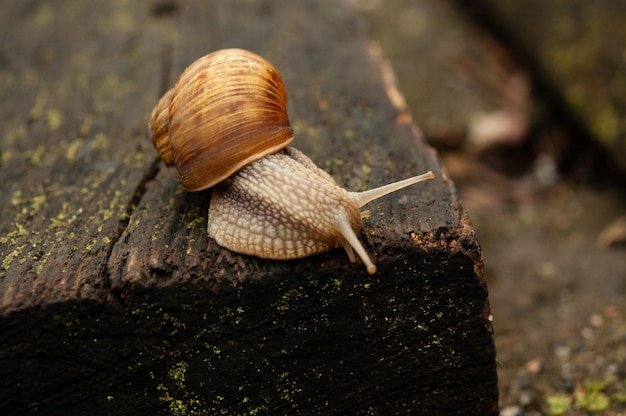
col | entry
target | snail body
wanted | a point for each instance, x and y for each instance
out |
(225, 125)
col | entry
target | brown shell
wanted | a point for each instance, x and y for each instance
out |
(228, 109)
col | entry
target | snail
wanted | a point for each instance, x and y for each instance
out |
(224, 125)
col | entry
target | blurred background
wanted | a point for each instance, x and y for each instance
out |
(525, 101)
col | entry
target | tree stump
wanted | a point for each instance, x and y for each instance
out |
(114, 301)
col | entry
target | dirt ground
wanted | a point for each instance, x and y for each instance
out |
(550, 219)
(557, 296)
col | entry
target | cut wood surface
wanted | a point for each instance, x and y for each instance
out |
(114, 301)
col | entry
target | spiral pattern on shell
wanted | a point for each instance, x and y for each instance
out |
(227, 110)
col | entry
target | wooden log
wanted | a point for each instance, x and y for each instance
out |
(114, 301)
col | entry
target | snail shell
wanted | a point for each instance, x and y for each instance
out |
(226, 110)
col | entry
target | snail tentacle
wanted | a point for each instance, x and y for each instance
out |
(352, 243)
(362, 198)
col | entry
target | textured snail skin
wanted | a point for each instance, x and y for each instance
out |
(281, 207)
(284, 207)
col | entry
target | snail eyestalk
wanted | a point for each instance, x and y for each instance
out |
(352, 243)
(362, 198)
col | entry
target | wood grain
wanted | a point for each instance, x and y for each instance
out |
(114, 301)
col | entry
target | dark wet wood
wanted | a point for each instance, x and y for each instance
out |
(113, 300)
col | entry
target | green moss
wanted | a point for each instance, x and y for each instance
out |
(100, 142)
(619, 397)
(173, 391)
(36, 202)
(192, 217)
(175, 323)
(64, 218)
(592, 397)
(606, 124)
(177, 373)
(8, 259)
(89, 246)
(290, 297)
(593, 402)
(36, 155)
(42, 262)
(48, 234)
(72, 150)
(38, 106)
(558, 404)
(54, 119)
